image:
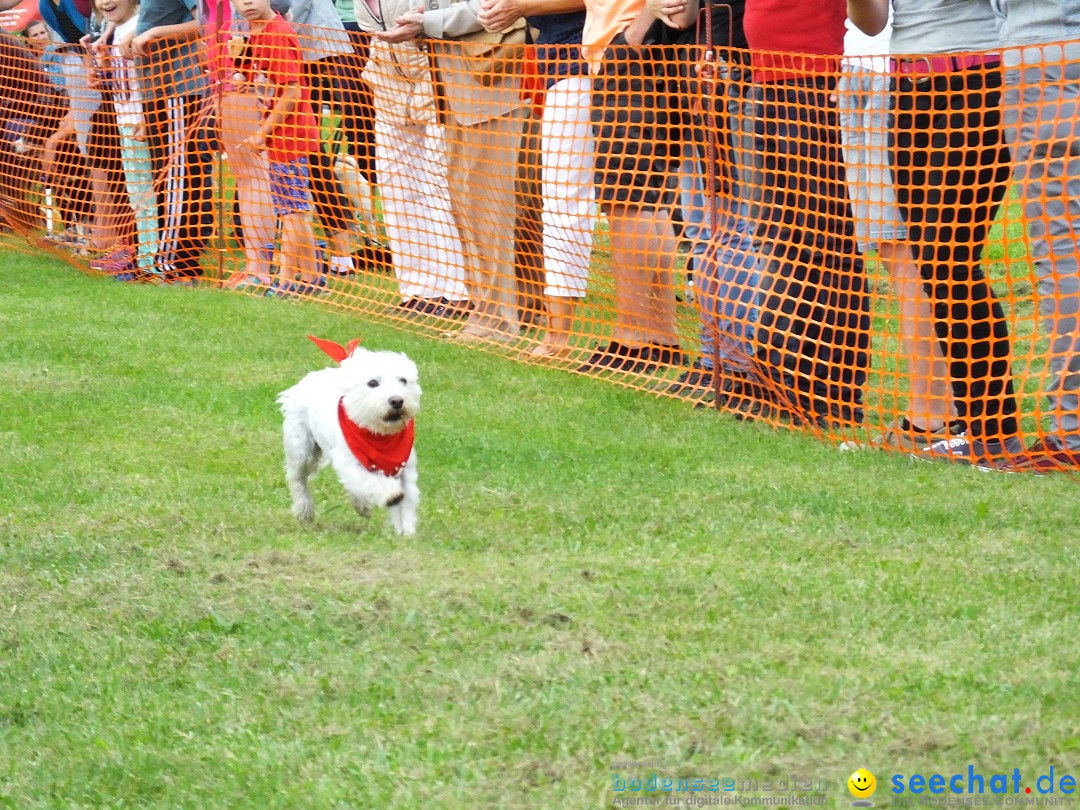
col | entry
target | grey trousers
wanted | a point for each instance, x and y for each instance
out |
(1042, 126)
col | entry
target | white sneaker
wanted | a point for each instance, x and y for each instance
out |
(342, 266)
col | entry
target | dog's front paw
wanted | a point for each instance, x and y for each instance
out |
(404, 524)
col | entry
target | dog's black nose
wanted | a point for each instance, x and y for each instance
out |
(396, 403)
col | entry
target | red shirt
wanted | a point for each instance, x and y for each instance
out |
(274, 61)
(793, 28)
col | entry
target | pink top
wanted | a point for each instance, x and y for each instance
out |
(216, 19)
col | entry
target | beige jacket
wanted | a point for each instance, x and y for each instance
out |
(477, 84)
(399, 75)
(480, 79)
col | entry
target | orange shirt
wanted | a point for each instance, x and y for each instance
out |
(603, 20)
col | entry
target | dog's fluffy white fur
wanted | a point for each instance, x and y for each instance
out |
(381, 392)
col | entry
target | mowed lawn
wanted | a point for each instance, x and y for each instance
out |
(599, 576)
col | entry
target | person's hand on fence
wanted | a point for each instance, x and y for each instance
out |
(407, 27)
(498, 15)
(140, 44)
(254, 143)
(126, 47)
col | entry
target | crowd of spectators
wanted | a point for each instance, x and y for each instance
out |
(788, 151)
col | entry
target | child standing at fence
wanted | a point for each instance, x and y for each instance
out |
(272, 62)
(180, 132)
(119, 75)
(68, 177)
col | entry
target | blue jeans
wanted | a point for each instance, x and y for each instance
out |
(724, 265)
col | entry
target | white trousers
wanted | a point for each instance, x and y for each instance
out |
(428, 258)
(566, 143)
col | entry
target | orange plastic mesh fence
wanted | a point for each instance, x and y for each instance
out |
(854, 253)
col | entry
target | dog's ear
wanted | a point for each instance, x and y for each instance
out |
(335, 350)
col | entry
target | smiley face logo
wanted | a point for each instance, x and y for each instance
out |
(862, 784)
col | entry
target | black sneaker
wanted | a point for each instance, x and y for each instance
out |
(666, 355)
(423, 306)
(453, 309)
(182, 278)
(312, 289)
(618, 357)
(744, 397)
(695, 383)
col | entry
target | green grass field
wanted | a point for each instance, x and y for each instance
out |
(599, 576)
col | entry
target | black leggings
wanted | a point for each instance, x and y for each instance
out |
(951, 167)
(327, 87)
(336, 81)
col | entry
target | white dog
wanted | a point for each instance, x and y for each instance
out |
(358, 418)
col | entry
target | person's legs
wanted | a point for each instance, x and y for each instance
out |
(182, 149)
(71, 184)
(813, 336)
(290, 193)
(483, 171)
(568, 208)
(424, 238)
(726, 282)
(726, 278)
(240, 116)
(357, 103)
(1042, 123)
(639, 146)
(660, 326)
(106, 179)
(139, 179)
(528, 227)
(330, 83)
(197, 192)
(863, 100)
(950, 186)
(298, 247)
(331, 205)
(929, 398)
(642, 251)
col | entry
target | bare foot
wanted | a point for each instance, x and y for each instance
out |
(551, 349)
(476, 334)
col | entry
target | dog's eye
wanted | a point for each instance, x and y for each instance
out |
(403, 381)
(372, 383)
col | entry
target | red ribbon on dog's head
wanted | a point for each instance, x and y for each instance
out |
(335, 350)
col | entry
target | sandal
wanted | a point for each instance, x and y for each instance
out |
(244, 280)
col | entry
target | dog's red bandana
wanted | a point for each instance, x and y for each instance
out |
(335, 350)
(375, 452)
